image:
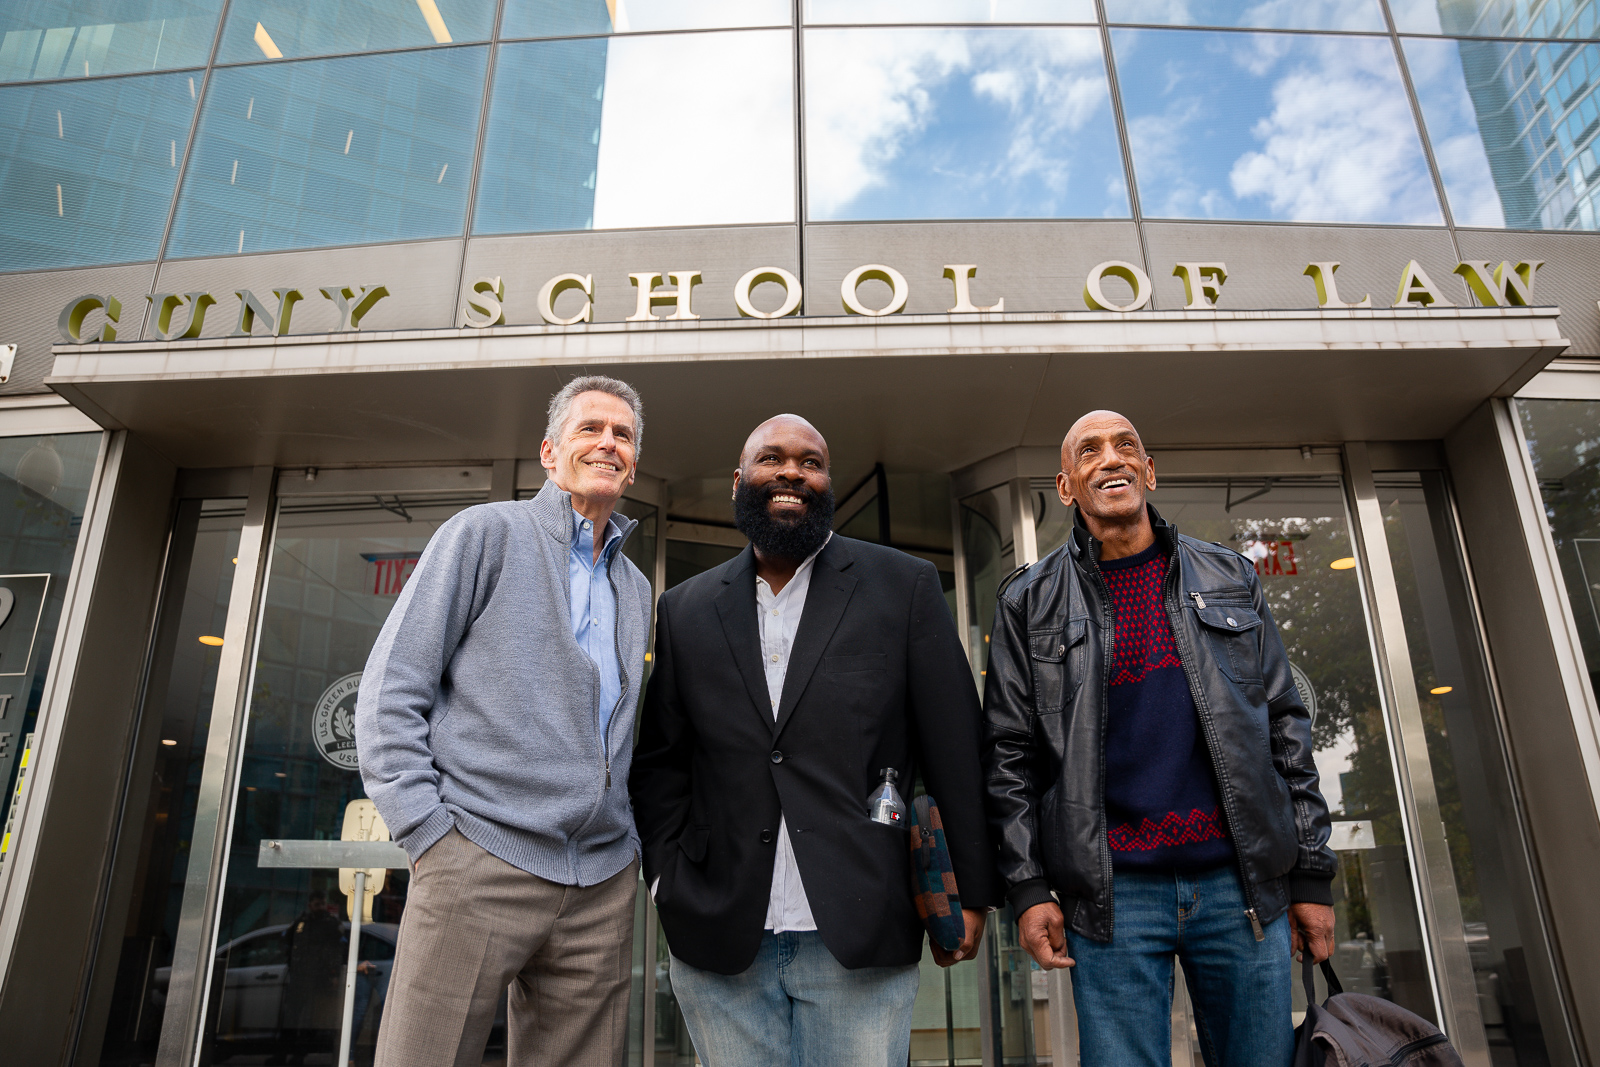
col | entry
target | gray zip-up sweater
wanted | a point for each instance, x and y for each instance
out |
(479, 710)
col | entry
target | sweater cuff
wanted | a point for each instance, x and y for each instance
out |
(1308, 888)
(1026, 894)
(428, 833)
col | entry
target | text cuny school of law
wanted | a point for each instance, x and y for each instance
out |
(484, 306)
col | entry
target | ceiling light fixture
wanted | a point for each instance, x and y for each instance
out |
(1343, 564)
(207, 639)
(267, 45)
(436, 26)
(1441, 690)
(168, 741)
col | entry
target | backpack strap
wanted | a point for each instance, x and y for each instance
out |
(1306, 967)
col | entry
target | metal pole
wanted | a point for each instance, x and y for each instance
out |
(360, 899)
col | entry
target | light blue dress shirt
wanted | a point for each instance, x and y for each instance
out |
(594, 609)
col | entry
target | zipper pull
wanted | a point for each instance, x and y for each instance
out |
(1255, 923)
(1200, 602)
(608, 786)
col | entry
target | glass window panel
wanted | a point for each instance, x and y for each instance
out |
(1513, 125)
(683, 129)
(1272, 127)
(332, 152)
(1469, 767)
(988, 542)
(1267, 15)
(1297, 533)
(561, 18)
(960, 124)
(44, 488)
(83, 38)
(289, 29)
(892, 11)
(159, 808)
(1564, 443)
(1498, 18)
(87, 168)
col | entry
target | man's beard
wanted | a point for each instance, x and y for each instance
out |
(778, 538)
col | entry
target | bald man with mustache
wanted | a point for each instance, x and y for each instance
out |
(1150, 774)
(785, 682)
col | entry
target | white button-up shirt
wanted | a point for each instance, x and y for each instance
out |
(778, 615)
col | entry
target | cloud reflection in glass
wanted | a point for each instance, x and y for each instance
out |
(960, 124)
(1271, 127)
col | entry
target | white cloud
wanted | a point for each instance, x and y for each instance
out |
(696, 130)
(870, 95)
(1340, 144)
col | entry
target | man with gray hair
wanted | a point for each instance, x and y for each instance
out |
(495, 731)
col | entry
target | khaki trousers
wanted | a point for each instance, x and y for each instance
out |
(474, 925)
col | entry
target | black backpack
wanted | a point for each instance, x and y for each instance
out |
(1355, 1030)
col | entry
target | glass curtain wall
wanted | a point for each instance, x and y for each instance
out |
(655, 114)
(164, 784)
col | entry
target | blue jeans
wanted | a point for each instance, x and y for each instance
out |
(796, 1006)
(1240, 987)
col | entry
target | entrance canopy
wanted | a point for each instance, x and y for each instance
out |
(933, 392)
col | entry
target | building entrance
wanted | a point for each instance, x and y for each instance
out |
(1357, 551)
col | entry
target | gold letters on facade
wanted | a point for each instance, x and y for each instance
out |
(1202, 283)
(898, 290)
(1328, 289)
(483, 306)
(751, 279)
(553, 288)
(680, 297)
(1094, 295)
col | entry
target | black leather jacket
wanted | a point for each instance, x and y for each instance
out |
(1045, 703)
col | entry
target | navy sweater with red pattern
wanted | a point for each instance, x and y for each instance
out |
(1162, 811)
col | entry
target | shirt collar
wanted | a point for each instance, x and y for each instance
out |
(805, 564)
(583, 539)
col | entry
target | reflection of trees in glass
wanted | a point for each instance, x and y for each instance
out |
(1318, 611)
(1563, 440)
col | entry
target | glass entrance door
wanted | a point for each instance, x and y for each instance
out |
(277, 978)
(1296, 533)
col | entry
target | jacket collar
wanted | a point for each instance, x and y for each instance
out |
(552, 513)
(1085, 546)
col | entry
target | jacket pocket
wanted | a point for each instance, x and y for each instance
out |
(1058, 659)
(1233, 630)
(693, 843)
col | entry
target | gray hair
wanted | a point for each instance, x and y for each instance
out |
(561, 404)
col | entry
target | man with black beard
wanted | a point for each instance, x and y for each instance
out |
(787, 681)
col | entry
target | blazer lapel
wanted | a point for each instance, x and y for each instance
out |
(736, 606)
(825, 603)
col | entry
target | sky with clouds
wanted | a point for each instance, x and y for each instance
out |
(1272, 127)
(960, 123)
(697, 130)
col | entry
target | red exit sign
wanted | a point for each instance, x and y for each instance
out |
(1272, 557)
(390, 570)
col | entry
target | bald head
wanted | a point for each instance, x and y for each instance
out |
(787, 427)
(1096, 424)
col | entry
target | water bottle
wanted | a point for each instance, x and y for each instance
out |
(885, 805)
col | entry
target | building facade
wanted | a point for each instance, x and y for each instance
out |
(285, 285)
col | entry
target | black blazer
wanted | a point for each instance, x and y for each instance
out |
(877, 678)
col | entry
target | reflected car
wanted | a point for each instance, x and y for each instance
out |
(248, 1017)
